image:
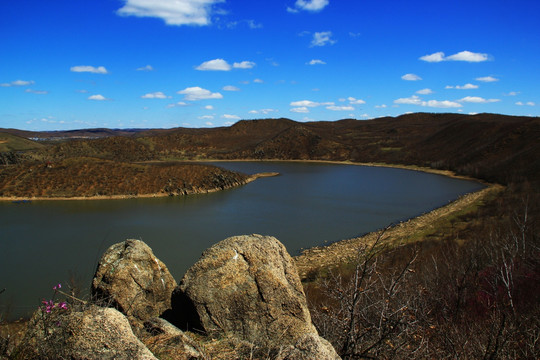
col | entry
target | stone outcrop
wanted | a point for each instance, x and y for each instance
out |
(130, 278)
(167, 341)
(95, 333)
(248, 287)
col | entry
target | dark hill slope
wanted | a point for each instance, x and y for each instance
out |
(489, 146)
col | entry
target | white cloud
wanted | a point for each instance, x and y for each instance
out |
(383, 106)
(487, 79)
(90, 69)
(477, 100)
(244, 65)
(322, 38)
(155, 95)
(441, 104)
(308, 5)
(468, 56)
(198, 93)
(146, 68)
(18, 83)
(263, 111)
(411, 77)
(230, 88)
(209, 107)
(355, 101)
(177, 12)
(258, 81)
(209, 123)
(180, 103)
(462, 87)
(513, 93)
(214, 65)
(97, 97)
(304, 103)
(206, 117)
(340, 108)
(230, 117)
(316, 62)
(436, 57)
(301, 109)
(460, 56)
(415, 100)
(38, 92)
(425, 92)
(529, 103)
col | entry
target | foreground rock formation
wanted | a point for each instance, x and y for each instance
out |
(248, 287)
(130, 278)
(244, 294)
(91, 333)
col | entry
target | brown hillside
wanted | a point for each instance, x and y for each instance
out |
(86, 177)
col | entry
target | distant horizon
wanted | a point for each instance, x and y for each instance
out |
(196, 64)
(137, 129)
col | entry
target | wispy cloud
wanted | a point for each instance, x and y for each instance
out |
(18, 83)
(178, 104)
(467, 56)
(37, 92)
(411, 77)
(487, 79)
(89, 69)
(230, 88)
(478, 100)
(222, 65)
(340, 108)
(462, 87)
(263, 111)
(178, 12)
(322, 38)
(98, 97)
(308, 5)
(307, 103)
(197, 93)
(316, 62)
(355, 101)
(425, 92)
(415, 100)
(214, 65)
(244, 65)
(529, 103)
(301, 109)
(230, 117)
(258, 81)
(146, 68)
(155, 95)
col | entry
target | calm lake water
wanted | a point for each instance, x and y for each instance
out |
(46, 242)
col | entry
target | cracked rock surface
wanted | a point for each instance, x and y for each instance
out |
(248, 287)
(130, 278)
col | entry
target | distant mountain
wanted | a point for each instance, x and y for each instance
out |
(489, 146)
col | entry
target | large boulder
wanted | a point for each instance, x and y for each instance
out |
(92, 333)
(130, 278)
(248, 287)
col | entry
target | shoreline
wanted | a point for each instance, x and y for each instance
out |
(343, 251)
(250, 178)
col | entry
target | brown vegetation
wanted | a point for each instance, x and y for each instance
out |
(87, 177)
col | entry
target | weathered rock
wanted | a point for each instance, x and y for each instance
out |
(95, 333)
(130, 278)
(167, 341)
(248, 287)
(309, 347)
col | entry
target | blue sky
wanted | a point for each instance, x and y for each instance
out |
(198, 63)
